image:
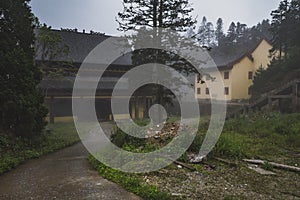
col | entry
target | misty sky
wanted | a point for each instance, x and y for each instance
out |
(99, 15)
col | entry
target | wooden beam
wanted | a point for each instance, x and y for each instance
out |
(281, 97)
(276, 165)
(136, 105)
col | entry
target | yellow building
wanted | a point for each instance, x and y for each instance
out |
(237, 72)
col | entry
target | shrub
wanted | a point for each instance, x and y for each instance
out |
(119, 138)
(231, 145)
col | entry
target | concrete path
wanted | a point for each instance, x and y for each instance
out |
(65, 174)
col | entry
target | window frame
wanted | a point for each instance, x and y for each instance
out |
(207, 92)
(226, 75)
(198, 91)
(226, 91)
(250, 75)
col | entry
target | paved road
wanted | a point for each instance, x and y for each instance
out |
(65, 174)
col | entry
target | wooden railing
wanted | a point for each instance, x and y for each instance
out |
(276, 94)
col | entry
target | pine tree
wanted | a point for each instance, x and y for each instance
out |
(209, 35)
(240, 30)
(286, 31)
(231, 34)
(21, 111)
(279, 27)
(264, 28)
(190, 33)
(173, 14)
(256, 33)
(293, 21)
(219, 32)
(201, 32)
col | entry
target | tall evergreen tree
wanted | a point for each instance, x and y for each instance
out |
(219, 32)
(295, 20)
(209, 34)
(201, 32)
(240, 31)
(190, 33)
(279, 27)
(21, 103)
(173, 14)
(286, 31)
(264, 28)
(231, 34)
(285, 27)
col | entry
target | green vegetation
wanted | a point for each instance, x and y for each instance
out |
(268, 166)
(15, 150)
(265, 136)
(268, 136)
(146, 15)
(22, 110)
(286, 30)
(131, 182)
(231, 145)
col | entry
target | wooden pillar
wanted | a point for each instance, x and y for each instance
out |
(136, 105)
(51, 108)
(142, 107)
(132, 108)
(145, 107)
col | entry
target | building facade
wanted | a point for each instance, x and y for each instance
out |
(237, 73)
(59, 91)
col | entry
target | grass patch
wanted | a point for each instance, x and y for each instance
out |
(271, 136)
(231, 145)
(15, 150)
(61, 119)
(265, 135)
(131, 182)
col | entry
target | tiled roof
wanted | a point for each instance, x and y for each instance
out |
(225, 59)
(81, 44)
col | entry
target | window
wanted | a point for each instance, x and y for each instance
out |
(198, 90)
(250, 75)
(226, 90)
(207, 91)
(226, 75)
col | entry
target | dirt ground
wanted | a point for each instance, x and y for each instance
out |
(226, 182)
